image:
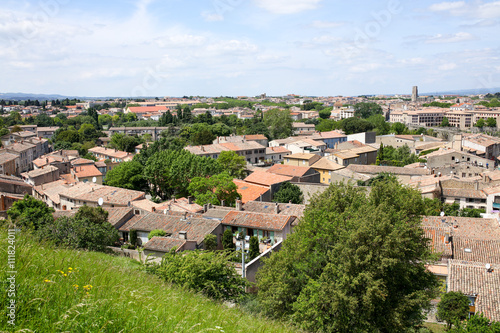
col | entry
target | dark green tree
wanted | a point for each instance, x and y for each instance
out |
(355, 125)
(453, 308)
(30, 213)
(214, 190)
(210, 242)
(279, 123)
(480, 123)
(232, 163)
(254, 251)
(124, 142)
(491, 122)
(365, 110)
(445, 122)
(289, 192)
(127, 175)
(351, 258)
(133, 237)
(227, 240)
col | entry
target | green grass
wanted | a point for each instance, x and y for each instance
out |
(435, 328)
(122, 298)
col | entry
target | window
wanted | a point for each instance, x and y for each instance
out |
(303, 161)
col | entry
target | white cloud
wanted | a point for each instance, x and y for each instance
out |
(447, 6)
(447, 66)
(326, 24)
(450, 38)
(287, 6)
(180, 40)
(212, 17)
(363, 68)
(476, 10)
(232, 46)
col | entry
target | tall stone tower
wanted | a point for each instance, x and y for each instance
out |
(414, 94)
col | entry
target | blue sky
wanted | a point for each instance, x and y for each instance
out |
(247, 47)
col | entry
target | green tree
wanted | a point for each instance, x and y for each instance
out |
(325, 114)
(124, 142)
(208, 272)
(133, 237)
(365, 110)
(210, 242)
(453, 308)
(279, 123)
(289, 192)
(232, 163)
(169, 172)
(355, 125)
(480, 123)
(156, 233)
(127, 175)
(30, 213)
(88, 229)
(351, 258)
(214, 190)
(491, 122)
(227, 240)
(445, 122)
(381, 126)
(398, 128)
(254, 251)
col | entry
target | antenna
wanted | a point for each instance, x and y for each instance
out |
(94, 179)
(100, 201)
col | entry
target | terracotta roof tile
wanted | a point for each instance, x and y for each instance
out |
(266, 178)
(257, 220)
(249, 191)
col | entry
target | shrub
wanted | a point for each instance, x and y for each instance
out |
(254, 250)
(210, 273)
(453, 308)
(133, 237)
(156, 233)
(227, 240)
(210, 242)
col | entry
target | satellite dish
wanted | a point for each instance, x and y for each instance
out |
(94, 179)
(442, 214)
(488, 266)
(165, 211)
(100, 201)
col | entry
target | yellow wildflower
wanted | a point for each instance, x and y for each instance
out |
(47, 280)
(87, 287)
(76, 286)
(70, 268)
(65, 274)
(60, 271)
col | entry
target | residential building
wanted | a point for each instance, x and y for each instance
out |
(274, 227)
(269, 180)
(481, 145)
(87, 173)
(139, 131)
(175, 226)
(352, 152)
(303, 128)
(330, 139)
(9, 163)
(40, 176)
(299, 174)
(103, 153)
(302, 159)
(46, 132)
(325, 167)
(276, 154)
(447, 157)
(252, 192)
(466, 198)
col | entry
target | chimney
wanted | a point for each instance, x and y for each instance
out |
(276, 208)
(190, 200)
(205, 208)
(185, 215)
(260, 198)
(153, 209)
(183, 235)
(222, 203)
(447, 238)
(238, 205)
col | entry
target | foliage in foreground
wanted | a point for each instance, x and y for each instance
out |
(107, 294)
(208, 272)
(351, 259)
(477, 324)
(453, 308)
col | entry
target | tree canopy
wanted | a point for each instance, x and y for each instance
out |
(365, 110)
(279, 123)
(232, 163)
(214, 190)
(352, 258)
(453, 308)
(30, 212)
(127, 175)
(289, 192)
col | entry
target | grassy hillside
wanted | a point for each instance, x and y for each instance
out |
(72, 291)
